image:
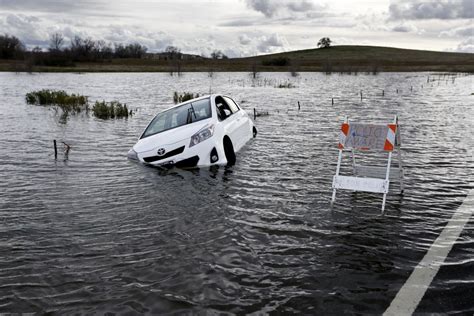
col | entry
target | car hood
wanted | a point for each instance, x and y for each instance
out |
(169, 137)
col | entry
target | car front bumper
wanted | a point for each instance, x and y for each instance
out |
(182, 156)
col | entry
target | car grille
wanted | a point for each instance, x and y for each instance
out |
(188, 163)
(172, 153)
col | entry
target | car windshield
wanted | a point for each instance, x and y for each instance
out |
(185, 114)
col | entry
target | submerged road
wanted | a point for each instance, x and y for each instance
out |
(410, 295)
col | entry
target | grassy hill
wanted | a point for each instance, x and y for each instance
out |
(333, 59)
(368, 58)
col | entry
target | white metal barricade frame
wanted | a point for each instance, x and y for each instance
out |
(369, 137)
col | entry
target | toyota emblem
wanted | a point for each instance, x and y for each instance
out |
(161, 152)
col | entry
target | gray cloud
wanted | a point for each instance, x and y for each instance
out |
(432, 9)
(34, 31)
(29, 29)
(264, 6)
(52, 5)
(76, 8)
(300, 6)
(271, 8)
(464, 31)
(466, 46)
(246, 28)
(241, 22)
(244, 39)
(404, 28)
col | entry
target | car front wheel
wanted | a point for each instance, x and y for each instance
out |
(229, 151)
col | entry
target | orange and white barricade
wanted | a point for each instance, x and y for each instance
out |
(357, 137)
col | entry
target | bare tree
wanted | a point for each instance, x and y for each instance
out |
(254, 69)
(88, 45)
(173, 52)
(217, 54)
(102, 50)
(130, 51)
(56, 41)
(76, 46)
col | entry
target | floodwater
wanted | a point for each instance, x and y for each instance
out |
(92, 232)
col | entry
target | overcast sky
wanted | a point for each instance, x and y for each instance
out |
(245, 27)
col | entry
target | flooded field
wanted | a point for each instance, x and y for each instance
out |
(93, 232)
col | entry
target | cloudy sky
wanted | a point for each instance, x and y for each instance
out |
(245, 27)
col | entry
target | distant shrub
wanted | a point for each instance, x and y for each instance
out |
(108, 110)
(53, 59)
(183, 97)
(286, 85)
(11, 47)
(277, 61)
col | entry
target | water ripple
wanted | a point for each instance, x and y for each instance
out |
(93, 233)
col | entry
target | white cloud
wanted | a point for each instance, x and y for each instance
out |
(268, 44)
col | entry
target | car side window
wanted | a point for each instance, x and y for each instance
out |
(223, 109)
(232, 105)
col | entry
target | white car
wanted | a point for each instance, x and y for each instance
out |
(197, 133)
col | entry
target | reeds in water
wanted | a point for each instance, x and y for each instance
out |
(109, 110)
(74, 103)
(183, 97)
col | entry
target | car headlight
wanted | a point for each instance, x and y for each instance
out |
(132, 154)
(202, 135)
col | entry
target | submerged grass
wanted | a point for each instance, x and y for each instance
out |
(75, 103)
(286, 85)
(183, 97)
(59, 99)
(107, 110)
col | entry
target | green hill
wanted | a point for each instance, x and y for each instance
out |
(369, 58)
(333, 59)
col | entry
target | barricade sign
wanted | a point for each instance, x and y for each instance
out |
(358, 137)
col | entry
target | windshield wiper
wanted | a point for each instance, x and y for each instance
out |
(189, 119)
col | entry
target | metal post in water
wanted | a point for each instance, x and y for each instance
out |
(254, 114)
(332, 101)
(299, 107)
(361, 95)
(383, 92)
(55, 149)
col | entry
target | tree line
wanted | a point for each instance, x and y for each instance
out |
(60, 54)
(80, 50)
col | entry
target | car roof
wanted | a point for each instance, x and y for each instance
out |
(212, 96)
(194, 100)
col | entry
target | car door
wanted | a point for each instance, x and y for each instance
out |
(229, 121)
(242, 132)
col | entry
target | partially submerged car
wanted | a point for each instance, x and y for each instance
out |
(197, 133)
